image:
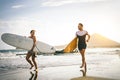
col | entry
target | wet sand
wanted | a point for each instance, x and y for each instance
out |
(62, 73)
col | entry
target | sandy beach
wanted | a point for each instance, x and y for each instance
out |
(101, 65)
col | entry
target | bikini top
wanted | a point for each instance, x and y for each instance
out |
(81, 36)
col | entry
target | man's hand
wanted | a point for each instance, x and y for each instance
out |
(31, 50)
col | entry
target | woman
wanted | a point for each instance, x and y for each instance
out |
(31, 52)
(81, 35)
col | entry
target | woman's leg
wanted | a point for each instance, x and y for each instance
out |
(28, 60)
(33, 59)
(82, 52)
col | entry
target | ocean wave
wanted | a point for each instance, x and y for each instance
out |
(7, 55)
(10, 60)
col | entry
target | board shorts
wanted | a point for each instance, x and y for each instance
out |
(33, 53)
(82, 46)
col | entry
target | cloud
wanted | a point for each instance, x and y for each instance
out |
(63, 2)
(56, 3)
(19, 25)
(17, 6)
(13, 26)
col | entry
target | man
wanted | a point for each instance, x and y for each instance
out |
(31, 52)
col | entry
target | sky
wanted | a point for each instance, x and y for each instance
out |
(56, 21)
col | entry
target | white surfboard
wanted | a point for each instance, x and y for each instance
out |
(26, 43)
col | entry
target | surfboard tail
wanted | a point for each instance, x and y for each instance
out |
(71, 46)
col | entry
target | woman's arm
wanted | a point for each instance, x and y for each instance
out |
(88, 37)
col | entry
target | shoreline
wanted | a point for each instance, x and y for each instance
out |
(101, 65)
(54, 73)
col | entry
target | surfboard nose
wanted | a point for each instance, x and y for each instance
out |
(4, 36)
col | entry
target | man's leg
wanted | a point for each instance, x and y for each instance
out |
(28, 59)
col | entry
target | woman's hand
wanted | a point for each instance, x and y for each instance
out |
(87, 40)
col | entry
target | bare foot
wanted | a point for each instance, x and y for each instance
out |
(82, 65)
(36, 70)
(31, 66)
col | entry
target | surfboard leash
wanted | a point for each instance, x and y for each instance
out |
(38, 49)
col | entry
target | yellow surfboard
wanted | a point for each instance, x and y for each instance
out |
(71, 46)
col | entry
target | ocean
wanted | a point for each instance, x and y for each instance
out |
(96, 58)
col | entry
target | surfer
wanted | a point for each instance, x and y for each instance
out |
(31, 52)
(81, 35)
